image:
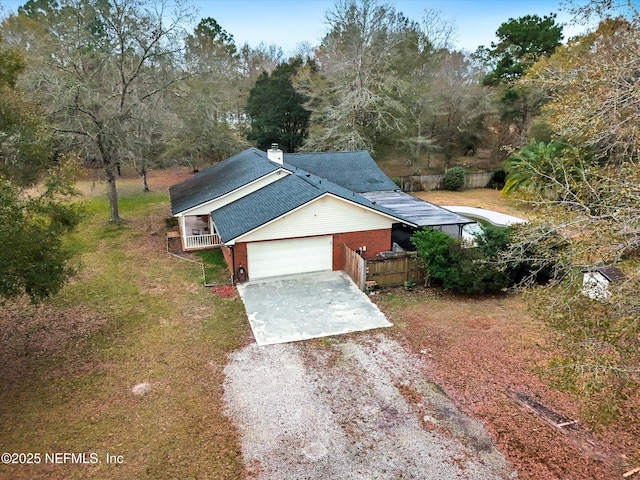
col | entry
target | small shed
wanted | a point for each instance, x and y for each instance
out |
(596, 280)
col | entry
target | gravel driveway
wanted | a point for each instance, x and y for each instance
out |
(351, 408)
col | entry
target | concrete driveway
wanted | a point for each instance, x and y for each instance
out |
(299, 307)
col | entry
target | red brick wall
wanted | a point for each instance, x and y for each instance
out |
(240, 254)
(228, 257)
(376, 241)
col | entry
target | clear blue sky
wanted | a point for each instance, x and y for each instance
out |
(289, 22)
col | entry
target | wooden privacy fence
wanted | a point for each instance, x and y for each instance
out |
(394, 269)
(390, 270)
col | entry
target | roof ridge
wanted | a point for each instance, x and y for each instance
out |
(308, 177)
(258, 151)
(345, 152)
(338, 190)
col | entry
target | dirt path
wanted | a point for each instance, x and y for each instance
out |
(350, 407)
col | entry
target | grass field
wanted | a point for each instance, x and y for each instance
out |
(132, 315)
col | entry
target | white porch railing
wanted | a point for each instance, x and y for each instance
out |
(192, 242)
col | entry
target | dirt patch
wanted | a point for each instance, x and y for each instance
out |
(335, 408)
(93, 181)
(481, 350)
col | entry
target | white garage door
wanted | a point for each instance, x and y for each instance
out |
(284, 257)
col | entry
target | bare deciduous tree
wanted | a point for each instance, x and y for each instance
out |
(100, 64)
(356, 97)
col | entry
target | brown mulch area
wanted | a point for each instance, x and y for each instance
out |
(225, 291)
(484, 352)
(478, 198)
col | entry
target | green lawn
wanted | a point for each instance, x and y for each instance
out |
(133, 314)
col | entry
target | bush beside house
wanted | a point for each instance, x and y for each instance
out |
(456, 268)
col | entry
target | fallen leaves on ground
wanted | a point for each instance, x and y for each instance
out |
(482, 349)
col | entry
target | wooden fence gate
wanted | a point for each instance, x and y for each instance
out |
(355, 267)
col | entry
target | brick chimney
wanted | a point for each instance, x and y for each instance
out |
(275, 154)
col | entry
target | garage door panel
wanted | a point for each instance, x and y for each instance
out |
(285, 257)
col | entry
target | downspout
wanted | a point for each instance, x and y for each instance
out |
(233, 265)
(181, 227)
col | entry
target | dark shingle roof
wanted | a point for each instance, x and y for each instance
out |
(342, 174)
(219, 179)
(356, 171)
(342, 192)
(278, 198)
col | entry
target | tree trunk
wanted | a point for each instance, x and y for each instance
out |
(112, 191)
(525, 114)
(112, 194)
(145, 185)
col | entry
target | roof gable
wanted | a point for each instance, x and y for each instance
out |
(220, 179)
(356, 171)
(262, 206)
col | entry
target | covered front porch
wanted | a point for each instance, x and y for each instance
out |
(198, 232)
